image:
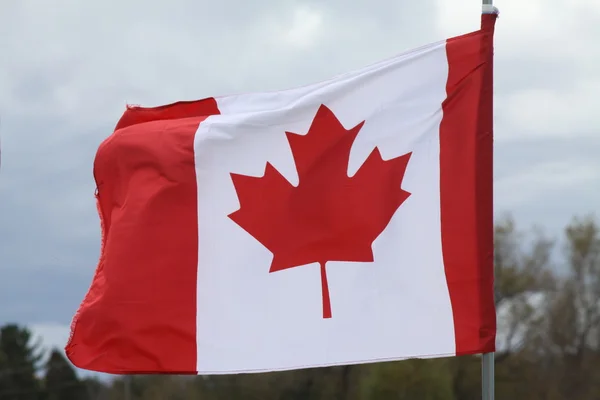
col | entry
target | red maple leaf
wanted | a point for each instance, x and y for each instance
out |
(329, 216)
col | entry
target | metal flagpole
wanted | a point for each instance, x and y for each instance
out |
(487, 376)
(127, 387)
(487, 359)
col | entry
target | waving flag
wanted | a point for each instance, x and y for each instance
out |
(343, 222)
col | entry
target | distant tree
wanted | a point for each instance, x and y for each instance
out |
(521, 266)
(19, 359)
(566, 342)
(96, 389)
(407, 380)
(4, 373)
(61, 382)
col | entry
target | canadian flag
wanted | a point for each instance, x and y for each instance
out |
(343, 222)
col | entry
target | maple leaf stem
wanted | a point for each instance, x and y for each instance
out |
(325, 292)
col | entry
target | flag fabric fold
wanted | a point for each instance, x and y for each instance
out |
(343, 222)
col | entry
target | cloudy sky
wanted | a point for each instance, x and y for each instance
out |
(69, 67)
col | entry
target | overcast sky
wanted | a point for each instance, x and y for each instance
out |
(68, 67)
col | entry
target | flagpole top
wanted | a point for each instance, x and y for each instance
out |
(489, 8)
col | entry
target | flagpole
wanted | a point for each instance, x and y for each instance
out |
(127, 386)
(487, 359)
(487, 376)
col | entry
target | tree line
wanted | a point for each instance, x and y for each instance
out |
(548, 301)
